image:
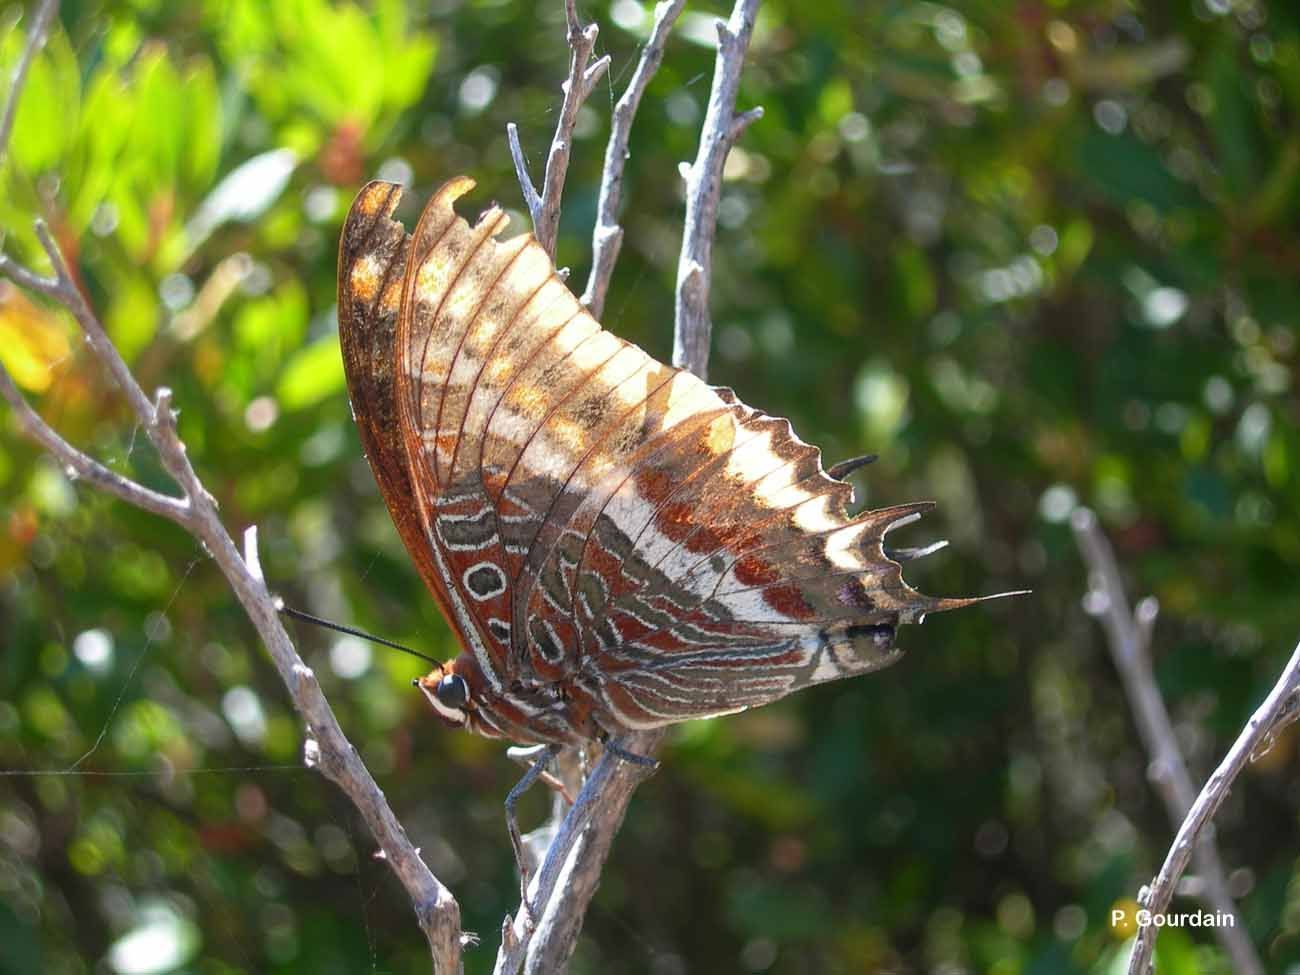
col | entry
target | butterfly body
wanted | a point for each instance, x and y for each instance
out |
(617, 544)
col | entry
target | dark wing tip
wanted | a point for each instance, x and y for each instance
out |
(844, 468)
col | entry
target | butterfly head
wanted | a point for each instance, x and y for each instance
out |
(450, 693)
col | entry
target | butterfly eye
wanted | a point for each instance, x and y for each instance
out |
(452, 691)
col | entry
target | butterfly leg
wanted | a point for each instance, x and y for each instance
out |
(632, 758)
(535, 771)
(525, 755)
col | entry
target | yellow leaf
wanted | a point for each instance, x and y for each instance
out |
(33, 340)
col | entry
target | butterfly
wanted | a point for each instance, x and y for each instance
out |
(617, 544)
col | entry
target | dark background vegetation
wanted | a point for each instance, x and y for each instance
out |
(1034, 254)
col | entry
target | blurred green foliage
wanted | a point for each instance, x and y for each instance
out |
(1035, 254)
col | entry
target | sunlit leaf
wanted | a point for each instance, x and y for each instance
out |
(244, 194)
(53, 91)
(311, 375)
(33, 339)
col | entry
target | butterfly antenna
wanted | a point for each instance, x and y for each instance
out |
(351, 631)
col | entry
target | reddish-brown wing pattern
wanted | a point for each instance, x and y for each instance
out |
(618, 544)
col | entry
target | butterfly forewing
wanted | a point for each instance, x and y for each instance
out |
(592, 520)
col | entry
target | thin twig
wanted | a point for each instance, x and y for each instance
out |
(85, 468)
(1262, 724)
(327, 748)
(561, 889)
(1129, 636)
(562, 917)
(722, 127)
(35, 41)
(607, 237)
(544, 207)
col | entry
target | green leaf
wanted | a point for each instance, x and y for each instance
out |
(265, 327)
(105, 126)
(1232, 123)
(51, 101)
(159, 131)
(408, 55)
(312, 374)
(1127, 171)
(203, 128)
(132, 317)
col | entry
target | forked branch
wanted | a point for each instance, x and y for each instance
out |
(1129, 635)
(544, 206)
(327, 748)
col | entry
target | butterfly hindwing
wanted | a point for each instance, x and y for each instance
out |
(587, 516)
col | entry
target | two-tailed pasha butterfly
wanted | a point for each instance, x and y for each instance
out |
(617, 544)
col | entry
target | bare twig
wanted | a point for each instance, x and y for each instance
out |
(544, 207)
(722, 127)
(327, 748)
(607, 237)
(1129, 636)
(81, 467)
(35, 41)
(1262, 724)
(579, 836)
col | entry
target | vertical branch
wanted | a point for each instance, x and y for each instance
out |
(552, 842)
(543, 938)
(1129, 636)
(607, 236)
(544, 207)
(581, 863)
(722, 127)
